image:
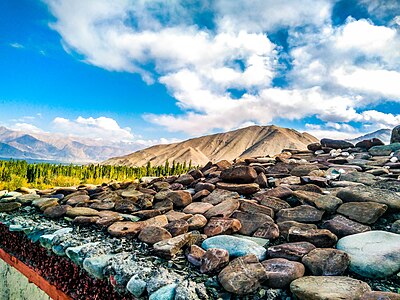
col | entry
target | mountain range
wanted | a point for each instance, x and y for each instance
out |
(244, 142)
(42, 146)
(382, 134)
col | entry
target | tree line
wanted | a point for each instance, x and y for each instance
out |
(16, 173)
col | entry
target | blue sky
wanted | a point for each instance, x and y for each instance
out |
(156, 71)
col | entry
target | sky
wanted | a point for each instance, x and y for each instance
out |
(148, 72)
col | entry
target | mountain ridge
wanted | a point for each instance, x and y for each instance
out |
(244, 142)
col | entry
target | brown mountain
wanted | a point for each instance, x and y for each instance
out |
(244, 142)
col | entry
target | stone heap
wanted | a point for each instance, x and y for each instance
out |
(322, 223)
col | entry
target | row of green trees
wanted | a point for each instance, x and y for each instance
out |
(19, 172)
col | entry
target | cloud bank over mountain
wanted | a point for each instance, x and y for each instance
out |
(233, 63)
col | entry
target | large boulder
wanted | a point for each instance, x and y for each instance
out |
(336, 144)
(395, 137)
(373, 254)
(328, 287)
(239, 174)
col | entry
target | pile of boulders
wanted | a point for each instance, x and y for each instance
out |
(302, 220)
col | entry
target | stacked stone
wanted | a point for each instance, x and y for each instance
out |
(300, 221)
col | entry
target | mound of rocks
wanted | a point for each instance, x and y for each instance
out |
(299, 221)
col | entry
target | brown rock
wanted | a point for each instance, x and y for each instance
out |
(169, 248)
(341, 226)
(303, 170)
(268, 230)
(317, 180)
(106, 221)
(253, 208)
(197, 208)
(302, 213)
(223, 164)
(9, 206)
(286, 225)
(218, 196)
(78, 199)
(380, 296)
(291, 251)
(222, 226)
(243, 275)
(81, 211)
(328, 203)
(239, 174)
(363, 212)
(197, 222)
(224, 209)
(204, 186)
(328, 287)
(262, 180)
(102, 205)
(177, 215)
(195, 254)
(281, 192)
(180, 198)
(185, 179)
(321, 238)
(85, 220)
(274, 203)
(122, 229)
(200, 195)
(56, 211)
(154, 234)
(243, 189)
(214, 260)
(126, 205)
(281, 272)
(157, 221)
(326, 262)
(251, 222)
(164, 205)
(177, 227)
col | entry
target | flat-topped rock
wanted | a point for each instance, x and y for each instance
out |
(218, 226)
(219, 195)
(321, 238)
(328, 287)
(243, 189)
(224, 209)
(363, 212)
(252, 222)
(342, 226)
(327, 203)
(291, 251)
(81, 211)
(373, 254)
(302, 213)
(369, 194)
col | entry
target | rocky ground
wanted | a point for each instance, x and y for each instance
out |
(317, 224)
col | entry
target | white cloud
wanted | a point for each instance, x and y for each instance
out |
(336, 71)
(26, 127)
(17, 45)
(101, 128)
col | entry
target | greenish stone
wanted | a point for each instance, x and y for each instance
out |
(27, 198)
(165, 293)
(260, 241)
(235, 246)
(136, 286)
(76, 254)
(95, 265)
(384, 150)
(373, 254)
(9, 206)
(47, 240)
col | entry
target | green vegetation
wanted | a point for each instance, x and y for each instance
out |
(18, 173)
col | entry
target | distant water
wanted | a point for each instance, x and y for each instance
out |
(36, 161)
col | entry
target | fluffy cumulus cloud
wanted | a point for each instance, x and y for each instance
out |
(101, 128)
(245, 62)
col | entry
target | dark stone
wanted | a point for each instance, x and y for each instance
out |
(341, 226)
(302, 213)
(321, 238)
(326, 262)
(336, 144)
(281, 272)
(291, 251)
